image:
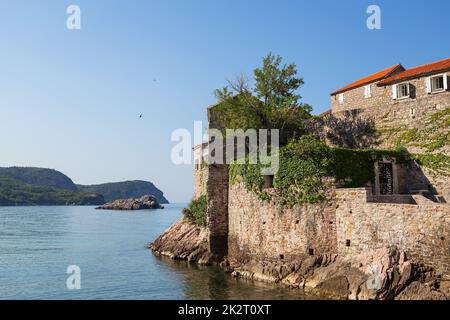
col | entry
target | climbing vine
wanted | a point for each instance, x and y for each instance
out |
(308, 168)
(432, 136)
(439, 163)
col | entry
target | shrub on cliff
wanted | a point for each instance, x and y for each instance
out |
(196, 211)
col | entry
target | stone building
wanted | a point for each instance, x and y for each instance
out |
(398, 100)
(397, 87)
(397, 210)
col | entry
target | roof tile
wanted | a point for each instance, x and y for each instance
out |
(430, 68)
(369, 79)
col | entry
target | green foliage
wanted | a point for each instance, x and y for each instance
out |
(271, 104)
(196, 212)
(276, 85)
(303, 164)
(438, 141)
(39, 176)
(16, 192)
(441, 119)
(236, 113)
(250, 176)
(409, 136)
(308, 168)
(439, 162)
(432, 136)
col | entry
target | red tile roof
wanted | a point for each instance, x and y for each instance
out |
(372, 78)
(426, 69)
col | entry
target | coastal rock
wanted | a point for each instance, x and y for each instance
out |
(184, 241)
(420, 291)
(382, 274)
(145, 202)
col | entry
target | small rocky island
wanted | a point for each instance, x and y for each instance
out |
(142, 203)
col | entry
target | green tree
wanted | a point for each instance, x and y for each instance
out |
(277, 85)
(273, 102)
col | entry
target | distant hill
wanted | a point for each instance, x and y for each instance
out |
(39, 177)
(125, 190)
(15, 192)
(40, 186)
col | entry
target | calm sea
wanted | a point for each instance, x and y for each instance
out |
(38, 244)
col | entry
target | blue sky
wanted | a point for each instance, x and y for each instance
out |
(70, 100)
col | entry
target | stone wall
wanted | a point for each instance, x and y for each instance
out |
(217, 211)
(422, 230)
(263, 231)
(200, 181)
(354, 99)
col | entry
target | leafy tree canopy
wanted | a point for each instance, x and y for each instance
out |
(273, 102)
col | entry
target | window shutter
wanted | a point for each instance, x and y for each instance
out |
(394, 91)
(428, 84)
(369, 93)
(445, 82)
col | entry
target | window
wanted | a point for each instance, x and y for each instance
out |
(341, 98)
(367, 93)
(436, 83)
(268, 181)
(402, 90)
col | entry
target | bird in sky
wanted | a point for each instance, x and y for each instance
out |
(141, 116)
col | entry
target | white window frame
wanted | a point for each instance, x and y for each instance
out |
(429, 83)
(367, 91)
(341, 98)
(408, 91)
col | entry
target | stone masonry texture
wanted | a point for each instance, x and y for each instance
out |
(262, 230)
(422, 230)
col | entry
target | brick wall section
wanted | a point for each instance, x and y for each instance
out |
(264, 231)
(422, 230)
(217, 212)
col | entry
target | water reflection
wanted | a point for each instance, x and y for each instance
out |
(37, 244)
(212, 283)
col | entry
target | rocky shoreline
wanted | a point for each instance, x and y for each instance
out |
(183, 241)
(142, 203)
(383, 274)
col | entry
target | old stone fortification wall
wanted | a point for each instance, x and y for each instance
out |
(217, 210)
(422, 230)
(263, 231)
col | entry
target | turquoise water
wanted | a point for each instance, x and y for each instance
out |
(37, 244)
